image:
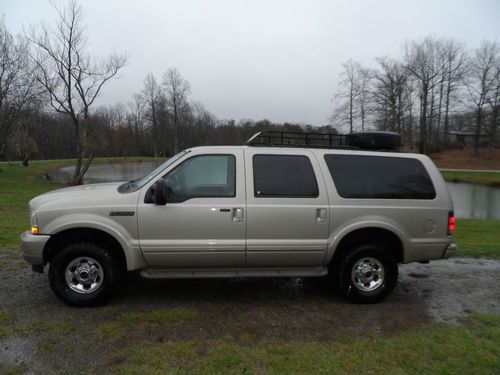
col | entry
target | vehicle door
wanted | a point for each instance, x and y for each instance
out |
(203, 222)
(287, 208)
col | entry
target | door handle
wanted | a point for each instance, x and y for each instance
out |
(321, 215)
(237, 214)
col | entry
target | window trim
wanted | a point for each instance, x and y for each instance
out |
(286, 196)
(380, 198)
(204, 196)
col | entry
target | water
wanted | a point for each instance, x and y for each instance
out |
(475, 201)
(470, 201)
(108, 172)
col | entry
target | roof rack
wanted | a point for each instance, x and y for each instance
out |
(297, 139)
(370, 140)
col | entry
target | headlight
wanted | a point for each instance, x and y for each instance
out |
(34, 223)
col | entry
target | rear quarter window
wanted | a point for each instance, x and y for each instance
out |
(379, 177)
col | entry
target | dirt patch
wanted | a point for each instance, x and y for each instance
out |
(465, 159)
(244, 310)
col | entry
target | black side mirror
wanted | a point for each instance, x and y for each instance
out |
(160, 192)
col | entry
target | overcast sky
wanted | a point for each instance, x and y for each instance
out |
(278, 60)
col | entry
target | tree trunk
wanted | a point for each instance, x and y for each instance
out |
(478, 130)
(422, 143)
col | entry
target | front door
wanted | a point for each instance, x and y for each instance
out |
(203, 222)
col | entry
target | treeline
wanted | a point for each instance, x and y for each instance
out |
(49, 83)
(433, 87)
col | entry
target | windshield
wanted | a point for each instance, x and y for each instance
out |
(135, 185)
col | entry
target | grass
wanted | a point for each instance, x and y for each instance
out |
(48, 332)
(117, 328)
(6, 317)
(19, 184)
(480, 178)
(476, 238)
(438, 348)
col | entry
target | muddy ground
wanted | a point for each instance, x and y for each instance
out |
(249, 309)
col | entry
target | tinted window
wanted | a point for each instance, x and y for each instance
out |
(359, 176)
(283, 176)
(202, 176)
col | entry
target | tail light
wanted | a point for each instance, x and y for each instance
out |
(451, 223)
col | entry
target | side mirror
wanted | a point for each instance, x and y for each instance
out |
(160, 192)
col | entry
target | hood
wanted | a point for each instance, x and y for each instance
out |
(82, 195)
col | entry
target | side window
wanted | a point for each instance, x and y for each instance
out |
(288, 176)
(204, 176)
(380, 177)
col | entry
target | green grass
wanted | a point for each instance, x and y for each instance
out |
(480, 178)
(6, 317)
(471, 348)
(476, 238)
(19, 184)
(48, 332)
(117, 327)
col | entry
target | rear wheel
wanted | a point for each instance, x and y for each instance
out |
(83, 274)
(367, 274)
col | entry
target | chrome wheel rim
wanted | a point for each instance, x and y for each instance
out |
(84, 275)
(367, 274)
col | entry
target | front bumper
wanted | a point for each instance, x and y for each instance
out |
(32, 247)
(450, 250)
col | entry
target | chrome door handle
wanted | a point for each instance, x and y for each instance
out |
(237, 214)
(321, 215)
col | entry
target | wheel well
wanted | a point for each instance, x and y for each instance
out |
(96, 236)
(377, 236)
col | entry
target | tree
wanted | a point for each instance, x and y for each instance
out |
(424, 61)
(351, 88)
(151, 94)
(177, 90)
(390, 83)
(481, 82)
(494, 104)
(455, 69)
(18, 89)
(71, 77)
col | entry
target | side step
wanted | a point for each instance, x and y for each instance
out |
(182, 273)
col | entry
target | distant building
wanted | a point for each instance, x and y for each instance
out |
(467, 138)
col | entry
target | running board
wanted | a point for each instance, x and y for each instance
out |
(180, 273)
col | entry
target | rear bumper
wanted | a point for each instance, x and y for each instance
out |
(450, 250)
(32, 247)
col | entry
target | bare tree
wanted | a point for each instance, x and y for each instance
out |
(151, 94)
(71, 77)
(389, 86)
(424, 61)
(177, 90)
(18, 89)
(456, 63)
(481, 82)
(349, 91)
(494, 104)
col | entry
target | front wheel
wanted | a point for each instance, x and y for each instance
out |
(83, 274)
(367, 274)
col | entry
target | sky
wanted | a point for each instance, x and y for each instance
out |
(278, 60)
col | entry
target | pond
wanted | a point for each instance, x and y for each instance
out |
(470, 201)
(106, 172)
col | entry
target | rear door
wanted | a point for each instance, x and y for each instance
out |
(287, 208)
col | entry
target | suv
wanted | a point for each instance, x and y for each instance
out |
(283, 205)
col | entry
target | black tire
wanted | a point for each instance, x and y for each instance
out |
(370, 256)
(376, 140)
(92, 258)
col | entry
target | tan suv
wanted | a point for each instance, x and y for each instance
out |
(284, 204)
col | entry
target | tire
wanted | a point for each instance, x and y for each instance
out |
(367, 274)
(376, 140)
(83, 274)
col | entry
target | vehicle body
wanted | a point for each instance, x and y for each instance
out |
(238, 211)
